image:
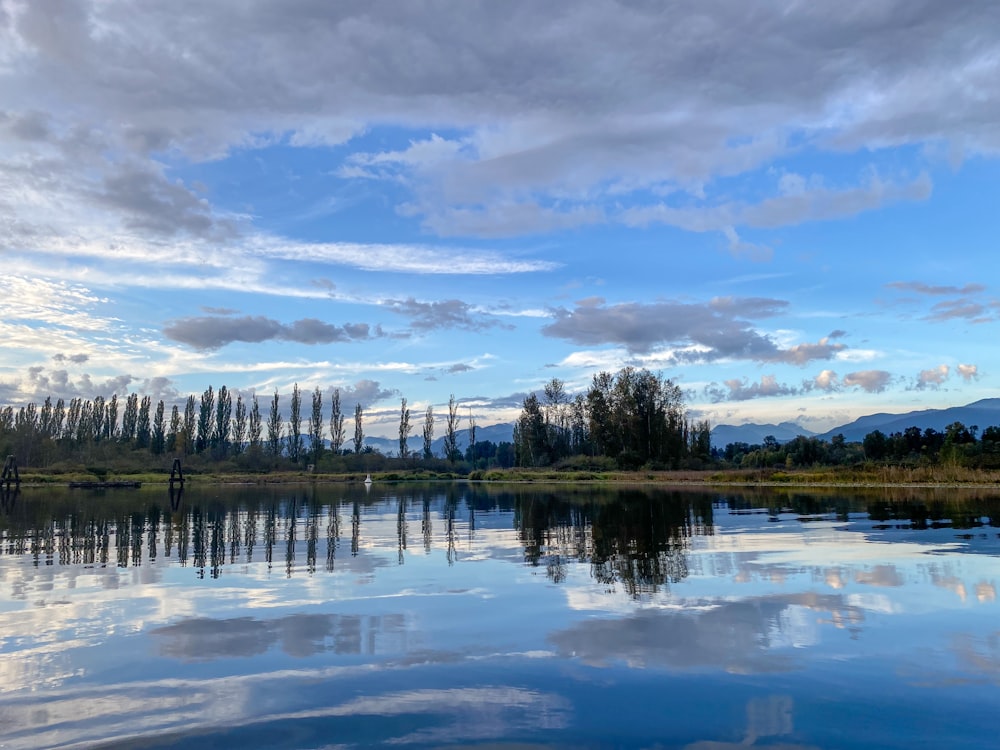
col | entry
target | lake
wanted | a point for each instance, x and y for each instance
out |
(510, 616)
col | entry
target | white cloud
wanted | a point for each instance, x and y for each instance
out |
(933, 377)
(968, 372)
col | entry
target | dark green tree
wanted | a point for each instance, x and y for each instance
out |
(404, 430)
(111, 418)
(316, 426)
(174, 431)
(239, 425)
(254, 426)
(295, 425)
(129, 418)
(142, 428)
(205, 414)
(337, 433)
(274, 427)
(451, 431)
(188, 426)
(428, 432)
(359, 433)
(158, 435)
(223, 422)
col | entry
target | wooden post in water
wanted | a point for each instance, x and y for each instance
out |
(9, 475)
(176, 472)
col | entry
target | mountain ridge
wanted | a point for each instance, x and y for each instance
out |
(982, 413)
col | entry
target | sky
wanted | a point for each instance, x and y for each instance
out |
(790, 209)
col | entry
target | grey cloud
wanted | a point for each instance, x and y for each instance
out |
(206, 333)
(429, 316)
(218, 310)
(922, 288)
(511, 401)
(365, 392)
(357, 330)
(872, 381)
(77, 359)
(324, 284)
(718, 329)
(750, 307)
(506, 219)
(823, 205)
(635, 87)
(42, 383)
(457, 368)
(29, 126)
(742, 390)
(150, 202)
(801, 354)
(818, 204)
(160, 388)
(960, 308)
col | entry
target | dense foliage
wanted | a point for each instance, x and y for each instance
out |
(634, 418)
(957, 445)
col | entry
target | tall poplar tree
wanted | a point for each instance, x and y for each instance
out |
(239, 425)
(129, 417)
(428, 432)
(142, 430)
(223, 421)
(274, 425)
(359, 433)
(97, 416)
(451, 431)
(254, 426)
(295, 425)
(158, 438)
(189, 423)
(111, 418)
(205, 414)
(174, 431)
(316, 426)
(337, 433)
(404, 430)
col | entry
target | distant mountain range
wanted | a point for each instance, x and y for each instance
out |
(496, 433)
(984, 413)
(754, 434)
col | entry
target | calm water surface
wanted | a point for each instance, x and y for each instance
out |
(484, 616)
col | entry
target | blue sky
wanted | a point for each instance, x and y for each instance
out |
(790, 209)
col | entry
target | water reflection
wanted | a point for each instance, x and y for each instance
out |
(456, 614)
(298, 635)
(634, 538)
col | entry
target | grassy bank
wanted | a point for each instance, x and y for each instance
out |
(867, 475)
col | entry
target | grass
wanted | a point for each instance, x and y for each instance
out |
(863, 475)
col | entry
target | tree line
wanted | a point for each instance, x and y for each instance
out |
(212, 427)
(629, 419)
(957, 445)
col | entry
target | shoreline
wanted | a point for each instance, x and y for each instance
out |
(523, 477)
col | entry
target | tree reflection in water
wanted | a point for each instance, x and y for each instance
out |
(634, 537)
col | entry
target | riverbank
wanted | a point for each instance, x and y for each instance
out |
(864, 476)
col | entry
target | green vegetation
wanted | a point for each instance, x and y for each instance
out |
(629, 426)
